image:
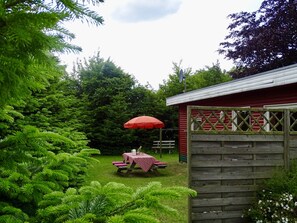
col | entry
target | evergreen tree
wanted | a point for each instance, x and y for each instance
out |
(97, 203)
(41, 171)
(113, 97)
(30, 170)
(31, 31)
(56, 109)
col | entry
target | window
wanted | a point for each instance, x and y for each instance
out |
(196, 124)
(275, 119)
(241, 120)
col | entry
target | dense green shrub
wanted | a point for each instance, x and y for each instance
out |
(29, 170)
(113, 202)
(277, 198)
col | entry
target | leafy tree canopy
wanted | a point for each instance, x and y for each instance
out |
(210, 75)
(262, 40)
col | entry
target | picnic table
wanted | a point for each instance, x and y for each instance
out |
(142, 161)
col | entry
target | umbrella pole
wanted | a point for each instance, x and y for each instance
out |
(160, 142)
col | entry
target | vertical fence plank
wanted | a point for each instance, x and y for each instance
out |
(286, 137)
(226, 165)
(189, 159)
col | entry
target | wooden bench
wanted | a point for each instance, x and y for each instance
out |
(120, 165)
(159, 164)
(166, 145)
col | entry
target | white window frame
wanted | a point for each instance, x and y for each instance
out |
(198, 119)
(276, 106)
(234, 117)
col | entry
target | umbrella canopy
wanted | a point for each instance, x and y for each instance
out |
(144, 122)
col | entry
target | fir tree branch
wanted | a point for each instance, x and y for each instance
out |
(13, 3)
(122, 209)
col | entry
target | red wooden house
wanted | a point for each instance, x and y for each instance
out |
(272, 89)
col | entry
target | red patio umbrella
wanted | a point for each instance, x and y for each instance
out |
(146, 122)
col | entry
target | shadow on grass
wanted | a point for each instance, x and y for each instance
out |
(142, 174)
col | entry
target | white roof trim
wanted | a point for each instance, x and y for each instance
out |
(273, 78)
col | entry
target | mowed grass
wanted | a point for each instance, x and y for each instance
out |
(175, 174)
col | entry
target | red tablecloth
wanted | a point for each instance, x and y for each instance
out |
(143, 160)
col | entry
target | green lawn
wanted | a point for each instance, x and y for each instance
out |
(175, 174)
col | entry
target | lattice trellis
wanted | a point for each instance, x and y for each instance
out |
(253, 120)
(293, 120)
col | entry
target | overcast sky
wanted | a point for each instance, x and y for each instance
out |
(145, 37)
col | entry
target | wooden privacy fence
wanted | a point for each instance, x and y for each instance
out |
(230, 152)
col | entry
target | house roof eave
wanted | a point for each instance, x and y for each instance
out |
(277, 77)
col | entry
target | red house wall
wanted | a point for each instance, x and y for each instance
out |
(182, 133)
(278, 95)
